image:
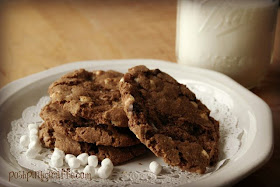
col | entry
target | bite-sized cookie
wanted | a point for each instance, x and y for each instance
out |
(80, 129)
(169, 120)
(91, 95)
(52, 139)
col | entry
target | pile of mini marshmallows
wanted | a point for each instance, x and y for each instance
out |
(57, 159)
(32, 142)
(89, 163)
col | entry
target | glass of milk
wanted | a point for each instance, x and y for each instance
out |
(234, 37)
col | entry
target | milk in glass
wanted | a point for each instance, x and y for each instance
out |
(234, 37)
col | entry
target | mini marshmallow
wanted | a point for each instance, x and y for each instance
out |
(105, 171)
(33, 132)
(89, 170)
(96, 170)
(33, 144)
(92, 160)
(74, 163)
(68, 156)
(33, 137)
(83, 158)
(24, 141)
(34, 148)
(107, 162)
(32, 153)
(55, 155)
(56, 162)
(33, 126)
(59, 152)
(155, 167)
(57, 158)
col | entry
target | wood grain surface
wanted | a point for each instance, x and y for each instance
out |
(37, 35)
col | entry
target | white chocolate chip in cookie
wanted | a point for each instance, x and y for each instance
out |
(106, 81)
(122, 79)
(194, 104)
(153, 84)
(204, 116)
(153, 125)
(52, 95)
(129, 103)
(55, 94)
(85, 99)
(205, 153)
(129, 100)
(130, 108)
(116, 123)
(98, 72)
(103, 97)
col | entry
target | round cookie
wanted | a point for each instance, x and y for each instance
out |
(169, 120)
(52, 139)
(91, 95)
(80, 129)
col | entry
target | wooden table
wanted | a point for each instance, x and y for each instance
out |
(37, 35)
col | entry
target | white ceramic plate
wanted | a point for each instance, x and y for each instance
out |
(253, 114)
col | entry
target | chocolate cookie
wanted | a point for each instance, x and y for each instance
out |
(80, 129)
(51, 139)
(169, 120)
(91, 95)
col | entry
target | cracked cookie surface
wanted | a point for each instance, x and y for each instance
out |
(80, 129)
(91, 95)
(51, 139)
(169, 120)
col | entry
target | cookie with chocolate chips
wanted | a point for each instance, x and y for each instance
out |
(80, 129)
(168, 118)
(91, 95)
(118, 155)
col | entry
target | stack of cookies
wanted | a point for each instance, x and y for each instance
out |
(85, 114)
(118, 116)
